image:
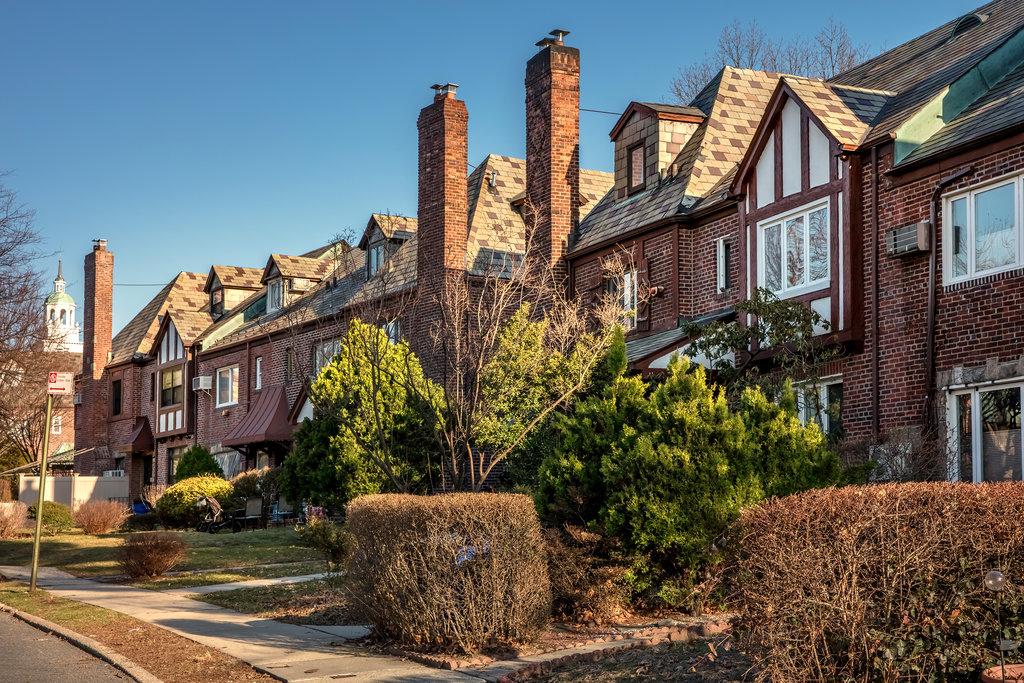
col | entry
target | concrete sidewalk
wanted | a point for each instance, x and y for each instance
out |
(285, 651)
(254, 583)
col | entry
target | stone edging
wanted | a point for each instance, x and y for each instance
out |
(647, 637)
(85, 643)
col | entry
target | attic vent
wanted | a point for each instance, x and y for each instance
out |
(966, 23)
(910, 239)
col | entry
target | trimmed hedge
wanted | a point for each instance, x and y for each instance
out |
(881, 582)
(177, 507)
(456, 572)
(56, 517)
(150, 554)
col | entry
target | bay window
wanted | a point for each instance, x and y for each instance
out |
(794, 251)
(982, 233)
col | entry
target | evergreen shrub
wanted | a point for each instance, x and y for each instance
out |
(56, 517)
(197, 462)
(177, 509)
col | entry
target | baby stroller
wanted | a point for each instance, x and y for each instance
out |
(214, 520)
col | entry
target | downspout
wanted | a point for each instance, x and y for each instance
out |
(874, 296)
(933, 215)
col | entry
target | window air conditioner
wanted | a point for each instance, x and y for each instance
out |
(77, 399)
(113, 473)
(908, 240)
(202, 383)
(300, 284)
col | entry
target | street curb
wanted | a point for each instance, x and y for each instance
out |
(84, 643)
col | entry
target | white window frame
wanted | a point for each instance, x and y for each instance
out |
(56, 424)
(780, 219)
(625, 285)
(393, 329)
(323, 353)
(1017, 180)
(721, 260)
(272, 285)
(232, 377)
(952, 419)
(258, 384)
(823, 418)
(374, 260)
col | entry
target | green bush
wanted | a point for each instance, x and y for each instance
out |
(883, 582)
(326, 537)
(177, 509)
(56, 517)
(261, 483)
(196, 462)
(667, 471)
(456, 572)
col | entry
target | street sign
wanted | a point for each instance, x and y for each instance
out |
(61, 383)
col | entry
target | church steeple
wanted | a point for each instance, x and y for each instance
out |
(58, 284)
(62, 331)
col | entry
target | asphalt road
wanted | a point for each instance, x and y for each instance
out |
(28, 655)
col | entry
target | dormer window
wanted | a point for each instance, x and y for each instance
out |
(275, 295)
(636, 168)
(374, 260)
(217, 301)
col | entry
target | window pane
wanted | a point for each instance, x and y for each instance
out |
(959, 237)
(636, 166)
(995, 238)
(773, 257)
(795, 275)
(818, 244)
(965, 448)
(223, 386)
(1000, 434)
(834, 408)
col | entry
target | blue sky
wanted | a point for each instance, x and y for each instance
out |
(191, 133)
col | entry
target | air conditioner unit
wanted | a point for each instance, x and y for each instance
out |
(202, 383)
(300, 284)
(113, 473)
(910, 239)
(77, 399)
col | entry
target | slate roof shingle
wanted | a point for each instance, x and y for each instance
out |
(236, 277)
(183, 293)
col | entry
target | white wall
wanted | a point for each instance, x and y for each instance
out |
(74, 490)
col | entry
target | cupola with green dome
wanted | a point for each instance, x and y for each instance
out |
(62, 333)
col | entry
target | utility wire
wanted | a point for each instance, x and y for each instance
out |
(600, 111)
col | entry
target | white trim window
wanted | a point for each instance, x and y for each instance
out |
(982, 230)
(275, 294)
(56, 422)
(722, 264)
(822, 403)
(374, 260)
(393, 329)
(227, 386)
(259, 373)
(624, 289)
(794, 251)
(986, 433)
(323, 354)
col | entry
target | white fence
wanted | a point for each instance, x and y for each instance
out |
(73, 490)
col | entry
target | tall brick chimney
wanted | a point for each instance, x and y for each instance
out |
(553, 147)
(91, 418)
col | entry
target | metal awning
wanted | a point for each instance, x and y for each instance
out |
(266, 421)
(141, 438)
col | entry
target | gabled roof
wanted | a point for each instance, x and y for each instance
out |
(183, 293)
(392, 227)
(733, 102)
(234, 277)
(296, 266)
(664, 112)
(846, 112)
(922, 68)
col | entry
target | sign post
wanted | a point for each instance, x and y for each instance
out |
(58, 384)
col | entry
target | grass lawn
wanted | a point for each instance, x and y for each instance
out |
(84, 555)
(163, 583)
(167, 656)
(310, 602)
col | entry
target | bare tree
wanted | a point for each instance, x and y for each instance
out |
(828, 53)
(22, 326)
(23, 400)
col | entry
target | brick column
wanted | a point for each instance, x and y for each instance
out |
(552, 148)
(91, 418)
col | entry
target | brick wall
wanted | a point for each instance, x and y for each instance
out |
(552, 149)
(703, 277)
(91, 414)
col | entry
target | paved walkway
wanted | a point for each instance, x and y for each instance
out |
(286, 651)
(254, 583)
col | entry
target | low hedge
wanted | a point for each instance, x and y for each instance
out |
(457, 572)
(881, 582)
(177, 509)
(56, 517)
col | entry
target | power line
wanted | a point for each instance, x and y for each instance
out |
(600, 111)
(139, 284)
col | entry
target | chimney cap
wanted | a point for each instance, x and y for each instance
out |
(559, 38)
(448, 89)
(99, 245)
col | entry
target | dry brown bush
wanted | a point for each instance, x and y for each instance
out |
(5, 490)
(585, 584)
(100, 516)
(150, 554)
(13, 518)
(880, 582)
(458, 572)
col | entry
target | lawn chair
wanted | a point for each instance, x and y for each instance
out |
(283, 510)
(252, 514)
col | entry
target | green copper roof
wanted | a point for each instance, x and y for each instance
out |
(60, 298)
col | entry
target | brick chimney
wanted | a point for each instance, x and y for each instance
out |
(90, 421)
(553, 147)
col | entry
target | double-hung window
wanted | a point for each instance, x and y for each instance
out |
(227, 386)
(794, 251)
(323, 354)
(393, 329)
(982, 230)
(635, 168)
(622, 289)
(55, 424)
(987, 433)
(275, 294)
(171, 392)
(374, 260)
(822, 403)
(259, 373)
